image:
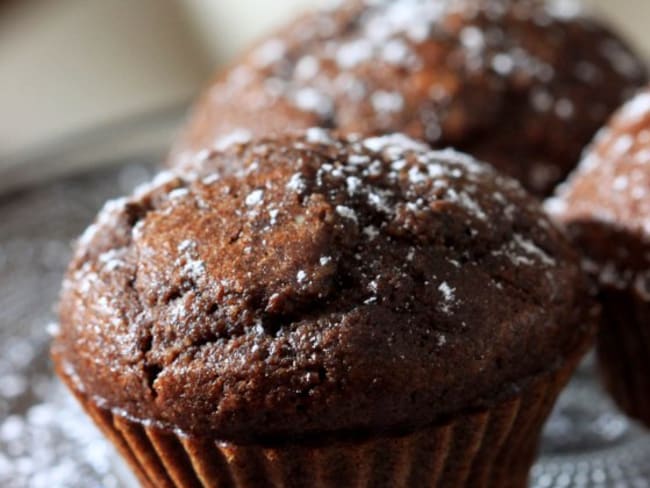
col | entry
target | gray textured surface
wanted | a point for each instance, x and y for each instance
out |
(45, 440)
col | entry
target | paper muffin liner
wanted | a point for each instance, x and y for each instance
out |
(488, 448)
(623, 351)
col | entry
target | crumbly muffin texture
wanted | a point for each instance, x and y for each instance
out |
(320, 286)
(605, 204)
(523, 85)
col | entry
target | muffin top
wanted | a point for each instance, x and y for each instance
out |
(326, 287)
(521, 84)
(606, 202)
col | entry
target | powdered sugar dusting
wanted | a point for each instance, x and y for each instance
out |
(107, 216)
(53, 444)
(399, 158)
(388, 31)
(398, 143)
(189, 263)
(636, 108)
(316, 135)
(112, 259)
(296, 183)
(270, 52)
(565, 9)
(448, 295)
(353, 53)
(307, 68)
(531, 249)
(346, 212)
(313, 100)
(367, 64)
(159, 181)
(301, 276)
(255, 198)
(237, 136)
(383, 101)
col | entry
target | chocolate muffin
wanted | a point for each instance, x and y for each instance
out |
(606, 208)
(523, 85)
(315, 311)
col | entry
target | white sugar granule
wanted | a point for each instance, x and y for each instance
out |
(346, 212)
(296, 183)
(316, 135)
(255, 198)
(636, 108)
(387, 102)
(268, 53)
(311, 100)
(301, 276)
(237, 136)
(448, 295)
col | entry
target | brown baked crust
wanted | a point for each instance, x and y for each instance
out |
(327, 287)
(519, 84)
(605, 203)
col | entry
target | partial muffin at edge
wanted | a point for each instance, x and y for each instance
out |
(605, 206)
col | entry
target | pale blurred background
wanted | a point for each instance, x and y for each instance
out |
(68, 66)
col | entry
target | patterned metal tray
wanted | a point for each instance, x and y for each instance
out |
(45, 440)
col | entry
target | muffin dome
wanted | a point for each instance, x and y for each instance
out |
(325, 287)
(523, 85)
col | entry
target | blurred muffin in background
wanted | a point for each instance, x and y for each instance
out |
(605, 206)
(523, 85)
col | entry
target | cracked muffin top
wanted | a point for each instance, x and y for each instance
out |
(523, 85)
(326, 286)
(605, 204)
